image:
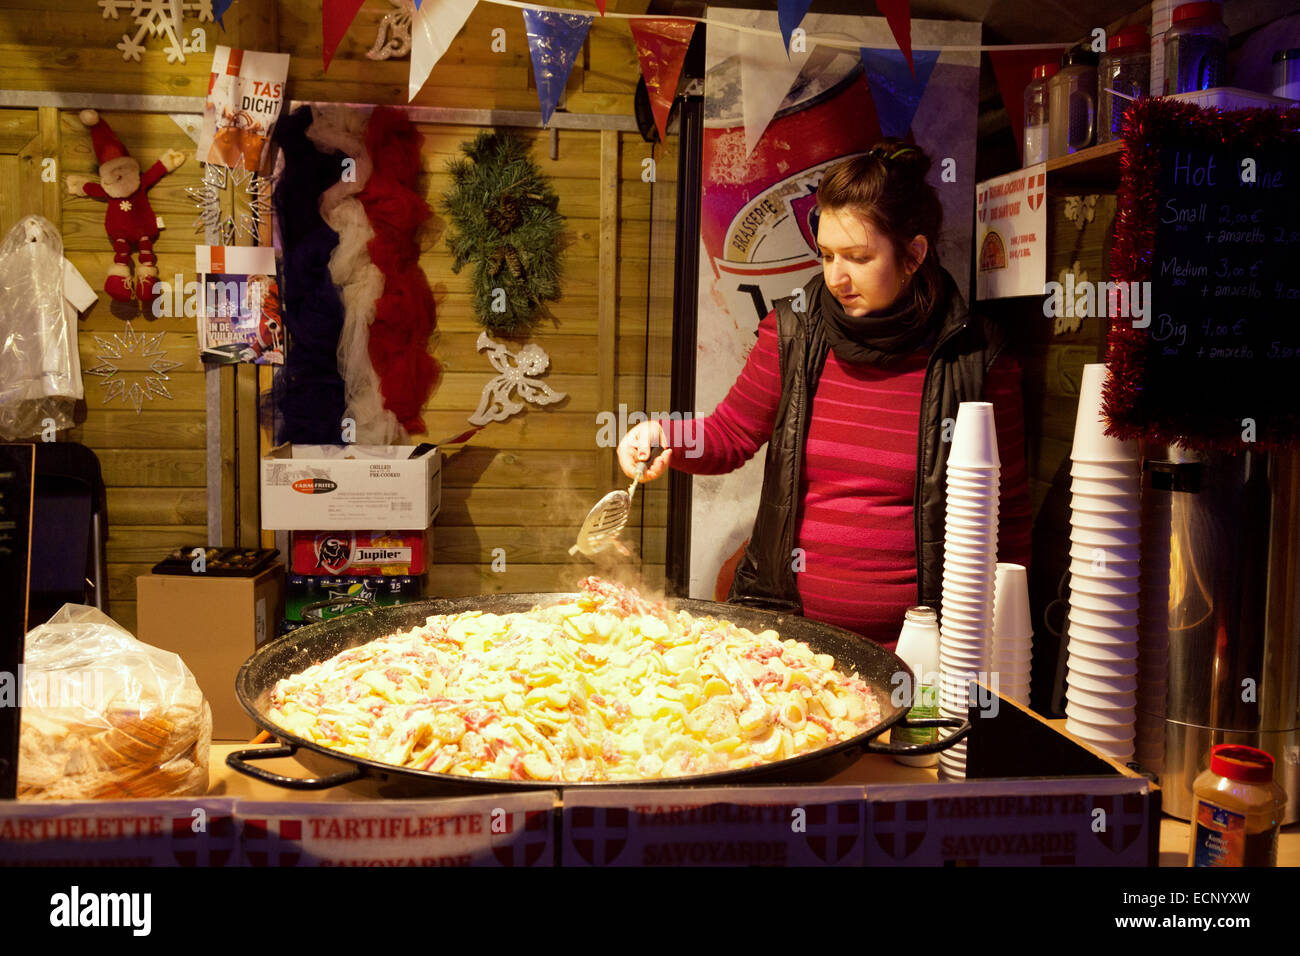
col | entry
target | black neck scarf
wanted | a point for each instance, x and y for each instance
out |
(878, 338)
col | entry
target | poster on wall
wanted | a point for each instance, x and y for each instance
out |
(245, 95)
(1011, 234)
(239, 305)
(757, 241)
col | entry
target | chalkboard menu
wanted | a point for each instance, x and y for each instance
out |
(1212, 236)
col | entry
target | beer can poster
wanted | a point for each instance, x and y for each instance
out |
(758, 210)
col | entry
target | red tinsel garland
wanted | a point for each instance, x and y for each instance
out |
(404, 314)
(1151, 125)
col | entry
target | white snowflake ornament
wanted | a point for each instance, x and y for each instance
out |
(156, 18)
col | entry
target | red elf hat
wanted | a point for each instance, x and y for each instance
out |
(107, 145)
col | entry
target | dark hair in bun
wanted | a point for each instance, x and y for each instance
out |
(886, 186)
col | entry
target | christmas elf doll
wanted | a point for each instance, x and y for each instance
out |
(129, 221)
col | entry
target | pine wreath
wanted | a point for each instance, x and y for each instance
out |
(504, 221)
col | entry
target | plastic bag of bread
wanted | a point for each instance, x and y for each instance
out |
(106, 716)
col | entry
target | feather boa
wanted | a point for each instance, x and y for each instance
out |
(342, 130)
(308, 393)
(404, 314)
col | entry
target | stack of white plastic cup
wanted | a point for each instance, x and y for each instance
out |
(1105, 523)
(970, 557)
(1013, 637)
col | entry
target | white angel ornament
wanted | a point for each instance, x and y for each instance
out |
(499, 401)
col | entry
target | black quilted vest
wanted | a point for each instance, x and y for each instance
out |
(965, 348)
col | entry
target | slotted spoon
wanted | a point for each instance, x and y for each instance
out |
(607, 519)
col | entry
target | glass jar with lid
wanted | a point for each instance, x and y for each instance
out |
(1072, 103)
(1286, 73)
(1196, 49)
(1036, 114)
(1125, 68)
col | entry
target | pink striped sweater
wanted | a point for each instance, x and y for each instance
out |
(855, 525)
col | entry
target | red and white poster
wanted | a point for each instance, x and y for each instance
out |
(757, 242)
(1011, 234)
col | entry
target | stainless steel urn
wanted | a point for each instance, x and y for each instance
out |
(1219, 631)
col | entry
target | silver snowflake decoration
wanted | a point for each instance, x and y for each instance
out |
(249, 207)
(156, 18)
(394, 35)
(133, 385)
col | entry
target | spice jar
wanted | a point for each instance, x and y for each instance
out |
(1125, 68)
(1036, 114)
(1238, 809)
(1196, 49)
(1072, 103)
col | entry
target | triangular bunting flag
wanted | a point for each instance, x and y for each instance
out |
(789, 14)
(432, 32)
(554, 40)
(1014, 69)
(898, 14)
(894, 89)
(661, 49)
(219, 8)
(764, 82)
(600, 5)
(335, 18)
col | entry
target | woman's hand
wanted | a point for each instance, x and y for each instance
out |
(635, 448)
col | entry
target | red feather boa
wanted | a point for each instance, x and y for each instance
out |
(404, 314)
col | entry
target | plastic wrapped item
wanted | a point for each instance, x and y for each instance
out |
(40, 293)
(106, 716)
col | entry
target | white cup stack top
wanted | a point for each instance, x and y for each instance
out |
(1012, 634)
(970, 558)
(1105, 540)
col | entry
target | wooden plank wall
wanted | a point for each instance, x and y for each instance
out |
(522, 485)
(1052, 364)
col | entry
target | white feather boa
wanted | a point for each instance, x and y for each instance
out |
(359, 280)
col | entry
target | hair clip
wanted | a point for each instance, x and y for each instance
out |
(879, 153)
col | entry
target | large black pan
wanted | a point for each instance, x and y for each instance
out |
(318, 642)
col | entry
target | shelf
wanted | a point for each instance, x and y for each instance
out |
(1095, 168)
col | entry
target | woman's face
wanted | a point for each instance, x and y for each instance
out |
(862, 270)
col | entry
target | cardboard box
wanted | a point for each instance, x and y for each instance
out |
(361, 552)
(341, 487)
(214, 624)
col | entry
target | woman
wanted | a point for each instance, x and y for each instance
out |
(850, 523)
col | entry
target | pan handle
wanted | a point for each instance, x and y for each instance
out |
(907, 750)
(239, 761)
